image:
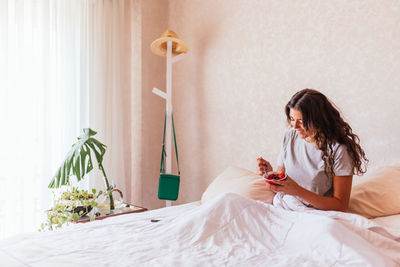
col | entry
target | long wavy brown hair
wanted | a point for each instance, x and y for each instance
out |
(323, 120)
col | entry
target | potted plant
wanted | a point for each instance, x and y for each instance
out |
(71, 206)
(78, 162)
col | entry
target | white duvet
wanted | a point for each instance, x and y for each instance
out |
(229, 231)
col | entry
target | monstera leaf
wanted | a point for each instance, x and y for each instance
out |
(79, 161)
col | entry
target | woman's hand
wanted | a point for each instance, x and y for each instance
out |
(263, 166)
(287, 186)
(339, 201)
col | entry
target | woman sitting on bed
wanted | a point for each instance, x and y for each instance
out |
(320, 154)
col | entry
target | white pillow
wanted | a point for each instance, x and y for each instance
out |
(239, 181)
(379, 195)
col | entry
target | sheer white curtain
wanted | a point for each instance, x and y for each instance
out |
(64, 65)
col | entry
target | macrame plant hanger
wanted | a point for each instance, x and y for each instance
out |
(174, 49)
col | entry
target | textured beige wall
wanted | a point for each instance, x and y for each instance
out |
(245, 60)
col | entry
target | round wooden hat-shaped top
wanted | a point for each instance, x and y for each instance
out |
(159, 46)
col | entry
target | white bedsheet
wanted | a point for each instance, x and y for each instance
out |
(229, 231)
(392, 222)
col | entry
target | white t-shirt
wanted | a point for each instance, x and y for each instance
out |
(303, 163)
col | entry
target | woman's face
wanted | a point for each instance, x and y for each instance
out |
(296, 121)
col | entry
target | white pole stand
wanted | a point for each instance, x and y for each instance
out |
(168, 107)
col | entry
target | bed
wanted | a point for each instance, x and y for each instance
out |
(229, 229)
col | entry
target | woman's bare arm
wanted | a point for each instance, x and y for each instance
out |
(339, 201)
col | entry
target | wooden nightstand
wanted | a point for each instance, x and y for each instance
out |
(120, 211)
